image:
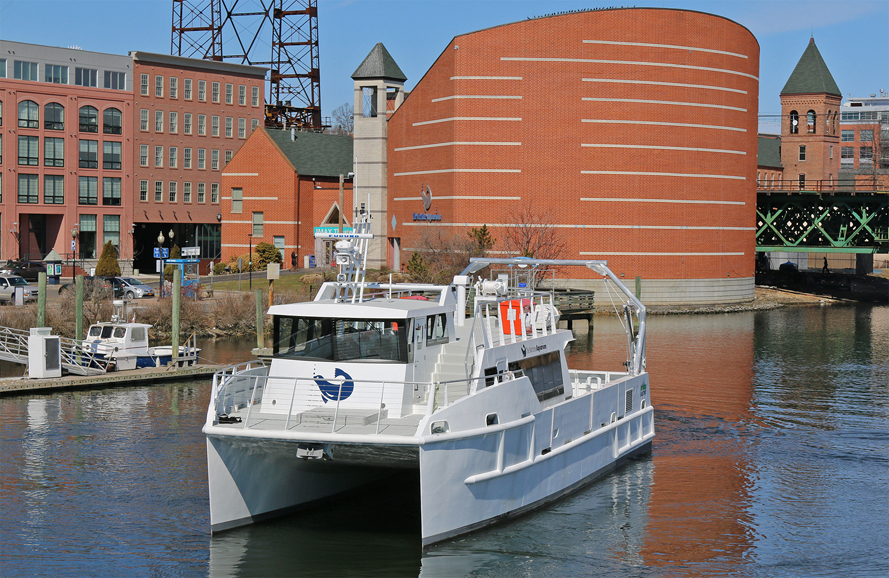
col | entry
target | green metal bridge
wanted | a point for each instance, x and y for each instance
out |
(823, 217)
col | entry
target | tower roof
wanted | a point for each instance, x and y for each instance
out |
(811, 75)
(315, 154)
(379, 64)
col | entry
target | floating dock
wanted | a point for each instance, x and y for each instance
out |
(23, 385)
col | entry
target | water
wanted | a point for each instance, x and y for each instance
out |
(771, 459)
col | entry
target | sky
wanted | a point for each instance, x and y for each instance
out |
(851, 34)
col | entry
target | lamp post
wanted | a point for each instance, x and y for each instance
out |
(160, 242)
(74, 232)
(250, 261)
(15, 230)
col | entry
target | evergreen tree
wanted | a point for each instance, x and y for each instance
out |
(108, 265)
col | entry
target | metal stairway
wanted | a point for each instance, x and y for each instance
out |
(451, 367)
(74, 359)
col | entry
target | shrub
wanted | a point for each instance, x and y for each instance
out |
(266, 253)
(175, 253)
(219, 268)
(108, 265)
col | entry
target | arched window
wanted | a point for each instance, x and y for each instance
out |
(54, 116)
(89, 119)
(28, 114)
(810, 122)
(1, 113)
(794, 122)
(111, 121)
(827, 124)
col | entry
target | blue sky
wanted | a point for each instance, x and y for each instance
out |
(852, 35)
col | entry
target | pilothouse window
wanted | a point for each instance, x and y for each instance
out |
(341, 339)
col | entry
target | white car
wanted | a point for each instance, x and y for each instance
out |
(8, 283)
(130, 288)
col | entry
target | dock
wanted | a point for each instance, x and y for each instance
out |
(24, 385)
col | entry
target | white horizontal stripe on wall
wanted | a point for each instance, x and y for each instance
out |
(462, 198)
(635, 253)
(654, 147)
(658, 123)
(556, 226)
(458, 171)
(492, 97)
(616, 43)
(679, 84)
(654, 174)
(281, 222)
(456, 118)
(671, 102)
(486, 78)
(689, 201)
(628, 62)
(240, 174)
(450, 144)
(253, 198)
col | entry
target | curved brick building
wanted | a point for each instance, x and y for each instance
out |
(633, 131)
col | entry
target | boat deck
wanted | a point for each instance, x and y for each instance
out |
(321, 420)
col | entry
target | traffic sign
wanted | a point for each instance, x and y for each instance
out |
(161, 252)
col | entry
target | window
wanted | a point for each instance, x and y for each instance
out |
(89, 154)
(369, 100)
(254, 99)
(253, 124)
(89, 119)
(186, 89)
(115, 80)
(55, 73)
(2, 68)
(143, 191)
(242, 128)
(436, 329)
(158, 191)
(202, 90)
(111, 155)
(214, 126)
(215, 92)
(28, 189)
(810, 122)
(228, 157)
(174, 122)
(214, 160)
(186, 158)
(158, 121)
(158, 86)
(831, 151)
(794, 122)
(112, 121)
(174, 157)
(847, 154)
(143, 155)
(229, 88)
(242, 95)
(186, 192)
(174, 87)
(54, 116)
(802, 152)
(802, 182)
(866, 135)
(143, 119)
(172, 190)
(86, 77)
(28, 114)
(88, 191)
(143, 90)
(87, 236)
(229, 121)
(186, 123)
(202, 124)
(848, 136)
(29, 150)
(111, 191)
(54, 189)
(53, 152)
(214, 193)
(111, 229)
(237, 200)
(866, 154)
(257, 224)
(201, 198)
(159, 156)
(24, 70)
(201, 158)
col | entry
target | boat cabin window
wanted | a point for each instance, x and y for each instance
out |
(436, 329)
(545, 373)
(340, 339)
(139, 334)
(101, 331)
(119, 332)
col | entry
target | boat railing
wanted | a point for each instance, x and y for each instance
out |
(476, 341)
(517, 318)
(584, 381)
(231, 383)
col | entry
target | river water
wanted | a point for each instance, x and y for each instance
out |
(771, 459)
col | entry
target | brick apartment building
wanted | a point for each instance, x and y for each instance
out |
(632, 130)
(864, 136)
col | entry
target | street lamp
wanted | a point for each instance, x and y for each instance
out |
(160, 242)
(250, 260)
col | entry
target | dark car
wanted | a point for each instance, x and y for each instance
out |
(27, 270)
(91, 285)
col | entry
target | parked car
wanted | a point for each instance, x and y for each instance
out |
(91, 284)
(28, 270)
(130, 288)
(8, 283)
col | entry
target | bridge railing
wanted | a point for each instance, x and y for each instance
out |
(834, 186)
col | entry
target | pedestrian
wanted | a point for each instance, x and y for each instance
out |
(825, 269)
(293, 260)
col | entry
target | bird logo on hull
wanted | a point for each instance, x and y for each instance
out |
(337, 390)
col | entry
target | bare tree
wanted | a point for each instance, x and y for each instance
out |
(531, 231)
(343, 120)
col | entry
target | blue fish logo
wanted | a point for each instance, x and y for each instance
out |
(333, 391)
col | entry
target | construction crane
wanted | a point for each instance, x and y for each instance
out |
(245, 31)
